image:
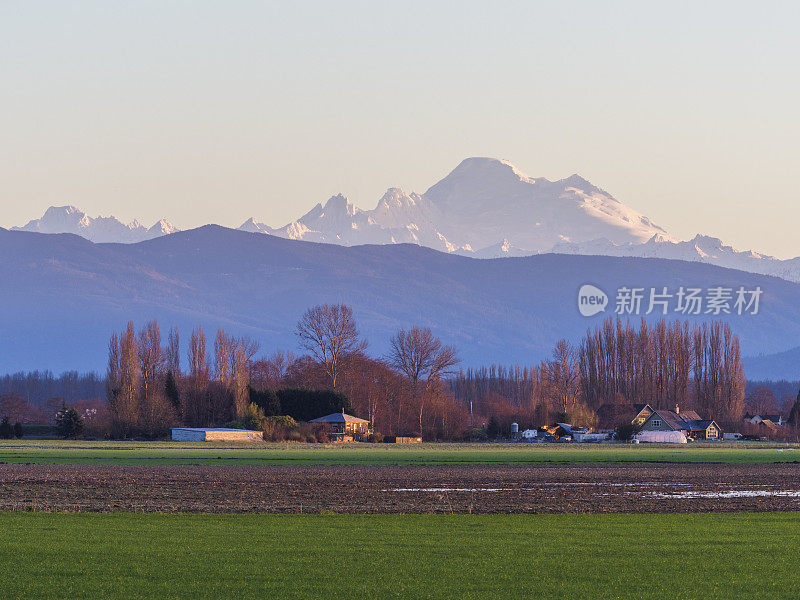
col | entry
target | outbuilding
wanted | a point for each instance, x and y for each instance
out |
(344, 427)
(215, 434)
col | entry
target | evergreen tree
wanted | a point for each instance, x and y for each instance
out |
(794, 414)
(493, 428)
(6, 432)
(171, 390)
(69, 423)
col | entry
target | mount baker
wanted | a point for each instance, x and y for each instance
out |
(484, 208)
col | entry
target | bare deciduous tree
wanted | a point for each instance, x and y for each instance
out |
(173, 353)
(761, 402)
(270, 373)
(223, 351)
(240, 379)
(125, 404)
(330, 334)
(232, 359)
(563, 373)
(198, 364)
(420, 355)
(196, 410)
(423, 358)
(151, 357)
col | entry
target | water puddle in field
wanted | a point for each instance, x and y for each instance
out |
(445, 489)
(635, 489)
(690, 495)
(599, 484)
(540, 487)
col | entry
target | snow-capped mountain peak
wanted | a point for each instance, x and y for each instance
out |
(395, 198)
(701, 248)
(162, 227)
(62, 217)
(491, 170)
(484, 199)
(333, 220)
(69, 219)
(253, 226)
(481, 201)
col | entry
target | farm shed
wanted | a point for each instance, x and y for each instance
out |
(215, 434)
(590, 437)
(344, 427)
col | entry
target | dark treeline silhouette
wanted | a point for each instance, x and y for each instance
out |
(784, 392)
(298, 403)
(38, 396)
(40, 387)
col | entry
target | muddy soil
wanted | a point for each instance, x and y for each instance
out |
(403, 489)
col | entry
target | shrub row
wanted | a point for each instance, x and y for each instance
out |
(8, 431)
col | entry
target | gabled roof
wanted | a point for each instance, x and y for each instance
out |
(689, 415)
(774, 418)
(640, 407)
(679, 421)
(670, 418)
(764, 417)
(572, 429)
(698, 424)
(339, 418)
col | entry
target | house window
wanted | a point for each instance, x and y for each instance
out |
(656, 423)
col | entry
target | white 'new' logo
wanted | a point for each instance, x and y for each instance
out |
(591, 300)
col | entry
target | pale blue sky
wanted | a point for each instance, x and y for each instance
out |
(217, 111)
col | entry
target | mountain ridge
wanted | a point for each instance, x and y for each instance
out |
(484, 208)
(70, 219)
(69, 294)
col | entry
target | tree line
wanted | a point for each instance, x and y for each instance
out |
(153, 384)
(616, 365)
(148, 391)
(40, 387)
(664, 365)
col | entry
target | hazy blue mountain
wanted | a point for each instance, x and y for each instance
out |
(774, 367)
(63, 295)
(484, 208)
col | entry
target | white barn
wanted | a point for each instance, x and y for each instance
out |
(215, 434)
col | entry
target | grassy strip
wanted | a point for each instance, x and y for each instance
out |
(173, 453)
(126, 555)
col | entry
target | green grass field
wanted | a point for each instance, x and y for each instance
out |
(126, 555)
(168, 453)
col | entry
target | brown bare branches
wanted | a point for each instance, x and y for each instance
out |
(329, 333)
(422, 357)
